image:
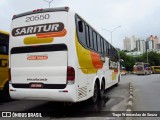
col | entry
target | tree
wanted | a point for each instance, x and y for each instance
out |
(129, 61)
(153, 58)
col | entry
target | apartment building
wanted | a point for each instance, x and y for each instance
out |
(130, 43)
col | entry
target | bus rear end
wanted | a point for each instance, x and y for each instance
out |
(39, 56)
(140, 70)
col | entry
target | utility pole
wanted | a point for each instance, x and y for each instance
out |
(147, 55)
(111, 31)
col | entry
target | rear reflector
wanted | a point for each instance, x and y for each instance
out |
(63, 90)
(70, 75)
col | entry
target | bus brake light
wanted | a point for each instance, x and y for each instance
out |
(70, 75)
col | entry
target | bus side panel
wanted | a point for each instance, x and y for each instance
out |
(3, 70)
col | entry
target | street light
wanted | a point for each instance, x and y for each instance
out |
(49, 2)
(111, 31)
(147, 55)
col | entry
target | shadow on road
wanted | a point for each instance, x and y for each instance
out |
(81, 109)
(57, 109)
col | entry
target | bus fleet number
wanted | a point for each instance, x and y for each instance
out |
(37, 17)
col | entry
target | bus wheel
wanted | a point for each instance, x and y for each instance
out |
(5, 93)
(94, 98)
(102, 90)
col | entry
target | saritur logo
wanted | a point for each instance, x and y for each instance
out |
(38, 29)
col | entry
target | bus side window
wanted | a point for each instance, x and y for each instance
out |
(105, 48)
(91, 39)
(109, 50)
(102, 46)
(81, 32)
(95, 41)
(87, 35)
(99, 43)
(80, 26)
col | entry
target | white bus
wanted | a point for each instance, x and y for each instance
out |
(143, 68)
(55, 55)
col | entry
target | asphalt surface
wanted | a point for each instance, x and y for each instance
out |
(146, 98)
(115, 100)
(146, 92)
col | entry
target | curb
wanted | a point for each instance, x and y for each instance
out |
(130, 101)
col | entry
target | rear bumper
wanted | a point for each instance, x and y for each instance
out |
(140, 72)
(44, 94)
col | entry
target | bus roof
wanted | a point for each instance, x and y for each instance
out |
(41, 11)
(4, 32)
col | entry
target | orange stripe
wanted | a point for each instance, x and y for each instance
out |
(96, 61)
(52, 34)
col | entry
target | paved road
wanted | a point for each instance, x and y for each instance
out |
(115, 100)
(146, 94)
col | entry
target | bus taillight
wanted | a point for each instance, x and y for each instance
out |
(70, 75)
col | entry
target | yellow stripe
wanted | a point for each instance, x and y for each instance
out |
(84, 58)
(35, 40)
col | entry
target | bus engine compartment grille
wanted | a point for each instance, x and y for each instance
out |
(82, 92)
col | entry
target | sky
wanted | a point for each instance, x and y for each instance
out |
(136, 17)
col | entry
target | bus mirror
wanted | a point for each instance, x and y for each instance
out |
(80, 26)
(121, 60)
(102, 59)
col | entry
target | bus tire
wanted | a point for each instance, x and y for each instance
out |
(5, 93)
(101, 94)
(94, 98)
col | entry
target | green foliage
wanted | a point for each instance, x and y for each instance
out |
(153, 58)
(129, 61)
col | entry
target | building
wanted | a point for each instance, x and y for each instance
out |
(154, 42)
(154, 50)
(141, 46)
(150, 38)
(135, 53)
(129, 43)
(149, 44)
(158, 46)
(137, 47)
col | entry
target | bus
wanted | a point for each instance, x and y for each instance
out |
(4, 83)
(143, 68)
(155, 69)
(55, 55)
